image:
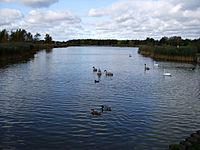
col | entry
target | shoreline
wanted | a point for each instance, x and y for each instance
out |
(190, 143)
(175, 54)
(11, 53)
(186, 59)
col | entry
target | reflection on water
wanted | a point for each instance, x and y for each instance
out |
(45, 103)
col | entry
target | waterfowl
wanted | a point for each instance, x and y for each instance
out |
(155, 65)
(166, 73)
(95, 113)
(108, 73)
(193, 68)
(130, 55)
(94, 69)
(105, 108)
(99, 72)
(96, 81)
(145, 67)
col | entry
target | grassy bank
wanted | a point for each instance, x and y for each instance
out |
(14, 52)
(170, 53)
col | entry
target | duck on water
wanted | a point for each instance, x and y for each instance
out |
(105, 108)
(96, 81)
(95, 112)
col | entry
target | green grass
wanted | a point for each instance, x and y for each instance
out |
(7, 49)
(170, 50)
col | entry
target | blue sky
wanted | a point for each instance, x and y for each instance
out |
(103, 19)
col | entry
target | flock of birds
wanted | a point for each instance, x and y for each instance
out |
(164, 71)
(107, 73)
(99, 73)
(156, 65)
(103, 108)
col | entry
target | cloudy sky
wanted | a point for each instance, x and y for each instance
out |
(103, 19)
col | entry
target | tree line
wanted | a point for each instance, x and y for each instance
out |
(20, 41)
(21, 35)
(176, 41)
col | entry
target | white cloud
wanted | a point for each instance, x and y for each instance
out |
(9, 16)
(124, 19)
(6, 1)
(39, 3)
(141, 18)
(56, 23)
(97, 13)
(187, 4)
(60, 24)
(51, 17)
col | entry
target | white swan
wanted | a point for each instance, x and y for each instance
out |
(155, 65)
(166, 73)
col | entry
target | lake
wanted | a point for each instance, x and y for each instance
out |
(45, 103)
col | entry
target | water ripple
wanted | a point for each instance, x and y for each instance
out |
(46, 103)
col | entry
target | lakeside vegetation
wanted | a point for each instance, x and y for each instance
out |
(20, 44)
(169, 49)
(172, 49)
(170, 53)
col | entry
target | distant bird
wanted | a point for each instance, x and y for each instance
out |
(166, 73)
(99, 72)
(155, 65)
(96, 81)
(95, 113)
(145, 67)
(193, 68)
(130, 55)
(108, 73)
(105, 108)
(94, 69)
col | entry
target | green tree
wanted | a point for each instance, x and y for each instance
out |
(48, 39)
(18, 36)
(163, 41)
(37, 37)
(29, 37)
(4, 36)
(150, 41)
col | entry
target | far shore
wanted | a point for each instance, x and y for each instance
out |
(167, 49)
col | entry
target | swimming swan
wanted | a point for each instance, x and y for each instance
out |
(166, 73)
(155, 65)
(145, 67)
(108, 73)
(99, 72)
(94, 69)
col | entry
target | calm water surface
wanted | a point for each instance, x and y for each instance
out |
(45, 103)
